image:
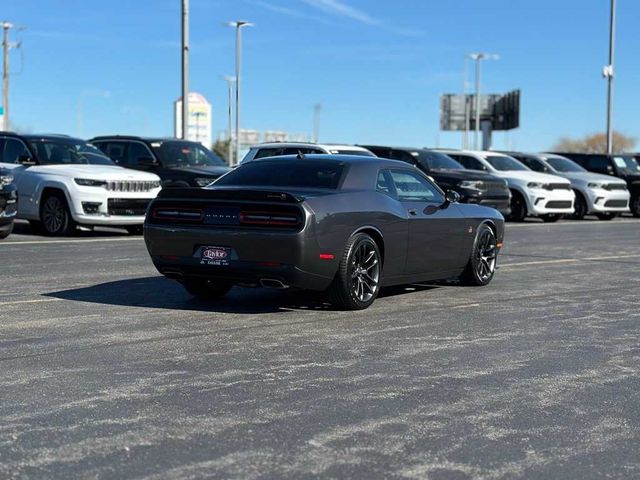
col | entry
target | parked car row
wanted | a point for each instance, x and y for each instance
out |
(64, 182)
(548, 186)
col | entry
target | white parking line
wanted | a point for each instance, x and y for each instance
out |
(76, 240)
(40, 300)
(630, 221)
(568, 260)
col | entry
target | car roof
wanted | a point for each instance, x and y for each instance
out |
(480, 153)
(43, 136)
(326, 146)
(143, 139)
(335, 158)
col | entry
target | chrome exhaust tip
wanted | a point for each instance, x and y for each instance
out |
(272, 283)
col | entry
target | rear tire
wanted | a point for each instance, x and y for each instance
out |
(204, 289)
(55, 217)
(5, 233)
(550, 218)
(635, 206)
(606, 215)
(357, 282)
(484, 256)
(518, 207)
(134, 229)
(580, 207)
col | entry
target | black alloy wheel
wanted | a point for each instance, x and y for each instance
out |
(482, 262)
(579, 207)
(55, 219)
(550, 217)
(204, 289)
(606, 215)
(357, 282)
(518, 208)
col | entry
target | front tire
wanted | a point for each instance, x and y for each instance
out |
(580, 207)
(482, 262)
(204, 289)
(55, 218)
(550, 218)
(5, 233)
(606, 215)
(357, 282)
(518, 207)
(635, 206)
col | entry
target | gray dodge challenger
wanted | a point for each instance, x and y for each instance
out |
(348, 225)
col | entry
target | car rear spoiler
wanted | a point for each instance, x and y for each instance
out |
(235, 194)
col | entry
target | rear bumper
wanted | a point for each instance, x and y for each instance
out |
(289, 257)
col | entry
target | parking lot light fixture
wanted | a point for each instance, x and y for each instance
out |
(238, 25)
(230, 81)
(478, 57)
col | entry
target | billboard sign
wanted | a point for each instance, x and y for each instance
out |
(200, 121)
(503, 111)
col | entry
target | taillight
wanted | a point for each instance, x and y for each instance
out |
(276, 219)
(179, 214)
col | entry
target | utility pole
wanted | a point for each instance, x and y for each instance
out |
(230, 81)
(238, 26)
(316, 122)
(607, 72)
(467, 105)
(185, 68)
(6, 47)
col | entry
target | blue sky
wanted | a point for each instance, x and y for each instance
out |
(377, 67)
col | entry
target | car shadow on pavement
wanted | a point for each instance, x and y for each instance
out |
(159, 292)
(22, 227)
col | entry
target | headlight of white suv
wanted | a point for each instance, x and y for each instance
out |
(87, 182)
(204, 181)
(535, 185)
(594, 185)
(5, 180)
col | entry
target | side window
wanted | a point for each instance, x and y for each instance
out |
(598, 163)
(411, 186)
(469, 163)
(532, 163)
(384, 183)
(116, 151)
(268, 152)
(136, 152)
(13, 149)
(402, 156)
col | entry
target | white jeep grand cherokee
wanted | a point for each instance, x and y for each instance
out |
(64, 182)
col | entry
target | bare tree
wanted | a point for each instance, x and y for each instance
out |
(595, 143)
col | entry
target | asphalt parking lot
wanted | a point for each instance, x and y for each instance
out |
(107, 370)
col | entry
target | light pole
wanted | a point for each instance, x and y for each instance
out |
(478, 57)
(607, 72)
(185, 69)
(316, 122)
(230, 81)
(238, 26)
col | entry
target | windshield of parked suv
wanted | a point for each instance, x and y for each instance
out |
(185, 154)
(52, 151)
(564, 165)
(505, 164)
(437, 160)
(626, 163)
(289, 173)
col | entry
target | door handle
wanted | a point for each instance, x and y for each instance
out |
(412, 211)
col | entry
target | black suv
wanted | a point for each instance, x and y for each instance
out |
(178, 163)
(623, 166)
(473, 186)
(8, 202)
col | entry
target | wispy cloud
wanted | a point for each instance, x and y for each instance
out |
(341, 9)
(289, 12)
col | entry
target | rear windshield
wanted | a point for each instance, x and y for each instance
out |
(290, 173)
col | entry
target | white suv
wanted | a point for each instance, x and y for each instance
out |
(64, 182)
(604, 196)
(277, 149)
(533, 194)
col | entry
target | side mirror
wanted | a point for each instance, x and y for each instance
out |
(26, 160)
(452, 196)
(147, 162)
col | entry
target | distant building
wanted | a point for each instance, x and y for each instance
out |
(200, 121)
